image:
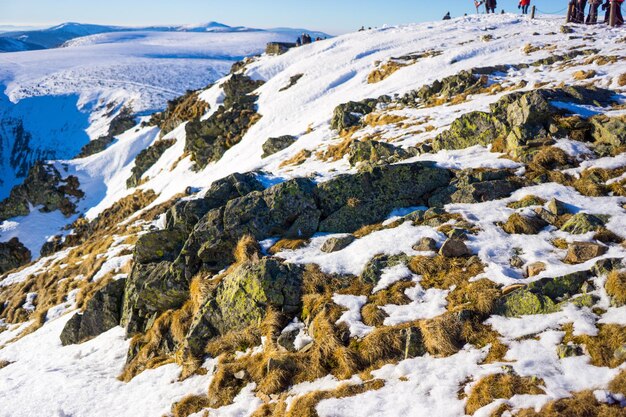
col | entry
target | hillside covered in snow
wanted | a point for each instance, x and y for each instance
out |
(414, 220)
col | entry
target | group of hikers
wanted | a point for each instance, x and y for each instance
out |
(306, 39)
(576, 11)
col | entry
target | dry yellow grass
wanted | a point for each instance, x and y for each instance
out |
(247, 250)
(297, 159)
(601, 348)
(479, 296)
(616, 287)
(497, 386)
(618, 384)
(188, 405)
(581, 404)
(441, 272)
(288, 244)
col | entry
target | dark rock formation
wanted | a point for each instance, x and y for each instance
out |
(145, 159)
(121, 123)
(13, 254)
(273, 145)
(103, 312)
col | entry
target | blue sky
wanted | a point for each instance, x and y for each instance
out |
(332, 16)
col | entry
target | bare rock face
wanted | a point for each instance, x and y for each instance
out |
(454, 248)
(335, 244)
(103, 312)
(579, 252)
(13, 254)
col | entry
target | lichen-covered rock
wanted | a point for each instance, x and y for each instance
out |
(102, 313)
(465, 82)
(185, 214)
(350, 114)
(425, 244)
(44, 187)
(569, 350)
(579, 252)
(523, 302)
(243, 297)
(150, 290)
(13, 254)
(146, 158)
(373, 269)
(51, 246)
(288, 210)
(335, 244)
(535, 268)
(207, 140)
(562, 286)
(476, 186)
(557, 207)
(454, 248)
(159, 245)
(273, 145)
(610, 130)
(349, 201)
(373, 152)
(581, 223)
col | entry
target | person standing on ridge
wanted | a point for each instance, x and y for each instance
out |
(592, 18)
(447, 16)
(491, 6)
(581, 5)
(524, 4)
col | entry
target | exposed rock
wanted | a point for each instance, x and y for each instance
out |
(182, 109)
(350, 114)
(413, 342)
(516, 261)
(581, 223)
(521, 224)
(557, 207)
(535, 268)
(293, 80)
(579, 252)
(207, 140)
(560, 287)
(53, 245)
(288, 210)
(425, 244)
(287, 339)
(124, 121)
(348, 201)
(454, 248)
(374, 268)
(569, 350)
(146, 158)
(604, 266)
(102, 313)
(476, 186)
(160, 245)
(273, 145)
(278, 48)
(465, 82)
(610, 130)
(243, 297)
(374, 152)
(42, 187)
(523, 302)
(13, 254)
(546, 216)
(335, 244)
(185, 214)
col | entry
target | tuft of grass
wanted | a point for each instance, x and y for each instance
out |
(493, 387)
(189, 404)
(442, 335)
(616, 287)
(583, 404)
(601, 348)
(479, 296)
(288, 244)
(550, 158)
(527, 201)
(247, 250)
(618, 384)
(297, 159)
(441, 272)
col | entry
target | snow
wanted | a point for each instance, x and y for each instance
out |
(425, 304)
(352, 317)
(392, 275)
(46, 379)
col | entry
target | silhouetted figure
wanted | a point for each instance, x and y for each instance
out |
(306, 39)
(581, 5)
(298, 41)
(362, 29)
(447, 16)
(477, 4)
(491, 6)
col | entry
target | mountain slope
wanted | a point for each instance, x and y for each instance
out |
(424, 219)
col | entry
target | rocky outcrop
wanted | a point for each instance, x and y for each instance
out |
(13, 254)
(335, 244)
(581, 223)
(158, 246)
(102, 313)
(609, 130)
(243, 297)
(182, 109)
(273, 145)
(579, 252)
(146, 158)
(476, 186)
(44, 187)
(278, 48)
(377, 153)
(465, 82)
(349, 114)
(121, 123)
(519, 121)
(207, 140)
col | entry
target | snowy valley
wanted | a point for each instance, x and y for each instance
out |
(413, 220)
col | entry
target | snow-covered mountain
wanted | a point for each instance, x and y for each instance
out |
(414, 220)
(100, 74)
